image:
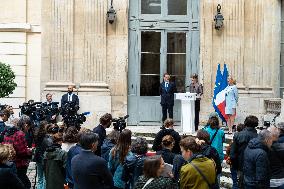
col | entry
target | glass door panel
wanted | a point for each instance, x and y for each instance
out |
(150, 6)
(150, 63)
(177, 7)
(176, 58)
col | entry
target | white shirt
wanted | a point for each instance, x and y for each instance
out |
(70, 97)
(166, 84)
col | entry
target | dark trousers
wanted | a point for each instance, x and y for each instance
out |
(165, 109)
(22, 174)
(197, 110)
(234, 174)
(241, 179)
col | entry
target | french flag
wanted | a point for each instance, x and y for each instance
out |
(219, 92)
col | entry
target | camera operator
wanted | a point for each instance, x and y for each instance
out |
(51, 109)
(105, 122)
(69, 97)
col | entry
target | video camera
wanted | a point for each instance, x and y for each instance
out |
(70, 115)
(119, 123)
(3, 107)
(51, 108)
(33, 110)
(69, 108)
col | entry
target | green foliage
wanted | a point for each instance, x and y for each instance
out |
(7, 83)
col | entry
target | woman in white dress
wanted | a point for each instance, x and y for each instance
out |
(231, 97)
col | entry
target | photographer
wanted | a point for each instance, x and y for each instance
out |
(34, 111)
(51, 109)
(105, 122)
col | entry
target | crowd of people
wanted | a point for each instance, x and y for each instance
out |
(85, 159)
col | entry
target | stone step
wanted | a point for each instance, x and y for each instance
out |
(226, 182)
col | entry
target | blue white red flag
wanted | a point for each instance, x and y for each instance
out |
(219, 92)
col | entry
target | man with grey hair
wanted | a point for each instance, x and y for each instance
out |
(276, 159)
(256, 167)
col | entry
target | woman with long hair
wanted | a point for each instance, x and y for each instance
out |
(39, 153)
(217, 135)
(152, 179)
(117, 157)
(231, 98)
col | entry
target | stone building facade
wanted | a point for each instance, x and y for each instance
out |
(20, 47)
(53, 43)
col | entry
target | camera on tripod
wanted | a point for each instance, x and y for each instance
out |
(69, 108)
(51, 108)
(34, 111)
(70, 115)
(119, 123)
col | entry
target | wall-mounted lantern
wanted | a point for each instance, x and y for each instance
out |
(111, 14)
(219, 18)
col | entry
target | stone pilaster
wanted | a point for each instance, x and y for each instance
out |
(74, 44)
(249, 43)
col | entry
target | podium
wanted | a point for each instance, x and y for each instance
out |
(187, 111)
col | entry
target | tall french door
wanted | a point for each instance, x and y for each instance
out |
(163, 37)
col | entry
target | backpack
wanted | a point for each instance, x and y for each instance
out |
(132, 169)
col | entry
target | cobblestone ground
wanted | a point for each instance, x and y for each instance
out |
(32, 173)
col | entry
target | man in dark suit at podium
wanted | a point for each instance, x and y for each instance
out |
(167, 90)
(69, 97)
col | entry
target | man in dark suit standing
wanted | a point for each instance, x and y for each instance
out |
(167, 90)
(51, 115)
(69, 97)
(89, 170)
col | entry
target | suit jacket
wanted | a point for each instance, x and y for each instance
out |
(167, 96)
(49, 113)
(64, 99)
(90, 171)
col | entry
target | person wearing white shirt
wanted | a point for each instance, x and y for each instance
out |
(69, 97)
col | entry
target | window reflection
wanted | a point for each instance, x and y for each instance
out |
(176, 58)
(150, 6)
(150, 85)
(180, 83)
(177, 7)
(150, 63)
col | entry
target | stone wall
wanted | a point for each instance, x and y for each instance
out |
(20, 47)
(53, 43)
(81, 48)
(249, 44)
